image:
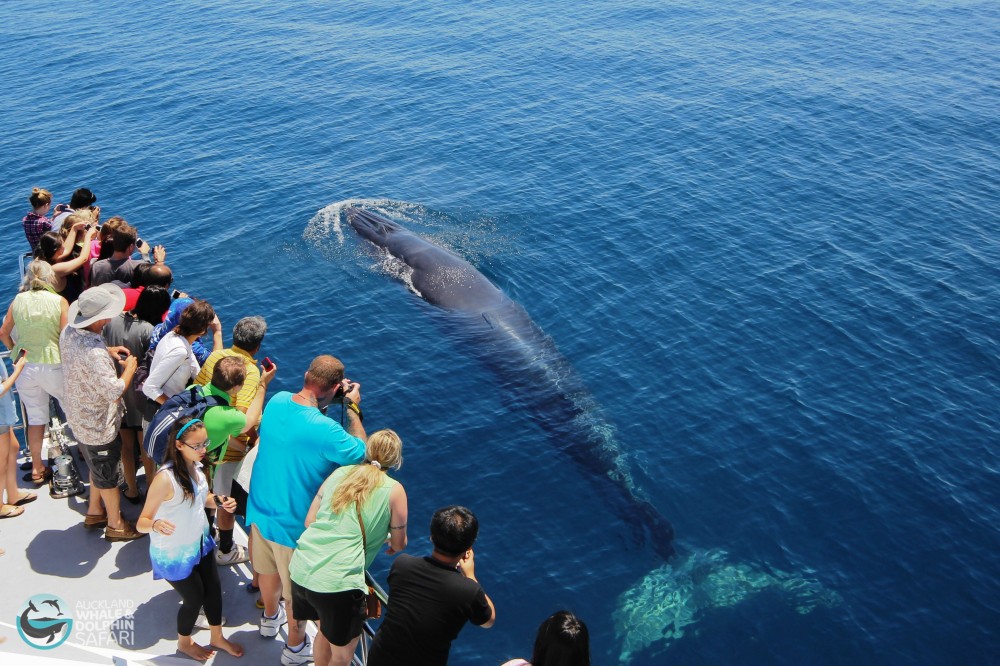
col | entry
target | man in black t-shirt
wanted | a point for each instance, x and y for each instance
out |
(430, 598)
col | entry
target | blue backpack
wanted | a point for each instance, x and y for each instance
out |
(189, 402)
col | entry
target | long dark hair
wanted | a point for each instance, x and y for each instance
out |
(562, 640)
(173, 455)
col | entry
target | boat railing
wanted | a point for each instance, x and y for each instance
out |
(23, 261)
(368, 631)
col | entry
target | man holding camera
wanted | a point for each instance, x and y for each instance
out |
(299, 448)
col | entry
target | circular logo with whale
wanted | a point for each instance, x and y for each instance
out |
(44, 622)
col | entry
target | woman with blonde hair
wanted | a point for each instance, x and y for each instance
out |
(39, 314)
(358, 508)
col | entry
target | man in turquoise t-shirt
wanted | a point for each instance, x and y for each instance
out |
(299, 447)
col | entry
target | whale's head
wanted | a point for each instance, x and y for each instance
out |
(371, 227)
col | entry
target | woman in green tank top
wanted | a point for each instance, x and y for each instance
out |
(39, 314)
(357, 509)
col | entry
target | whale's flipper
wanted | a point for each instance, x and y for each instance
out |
(660, 606)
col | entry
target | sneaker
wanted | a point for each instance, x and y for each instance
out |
(126, 533)
(269, 626)
(202, 621)
(237, 555)
(303, 656)
(95, 522)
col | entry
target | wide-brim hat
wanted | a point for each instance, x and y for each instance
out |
(101, 302)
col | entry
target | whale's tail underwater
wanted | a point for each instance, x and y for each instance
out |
(658, 608)
(660, 605)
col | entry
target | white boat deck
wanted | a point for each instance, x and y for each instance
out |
(120, 614)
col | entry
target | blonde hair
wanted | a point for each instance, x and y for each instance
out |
(38, 275)
(383, 447)
(39, 197)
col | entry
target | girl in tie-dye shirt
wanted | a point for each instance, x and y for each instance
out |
(180, 546)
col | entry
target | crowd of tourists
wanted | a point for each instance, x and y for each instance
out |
(144, 380)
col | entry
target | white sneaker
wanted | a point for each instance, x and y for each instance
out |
(237, 555)
(269, 626)
(202, 621)
(303, 656)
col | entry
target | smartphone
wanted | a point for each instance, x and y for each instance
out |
(21, 354)
(175, 294)
(219, 500)
(122, 355)
(267, 364)
(138, 242)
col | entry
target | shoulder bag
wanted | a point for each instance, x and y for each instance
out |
(373, 604)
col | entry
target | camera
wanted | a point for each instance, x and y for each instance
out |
(342, 389)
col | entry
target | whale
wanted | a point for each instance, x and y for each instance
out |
(545, 384)
(663, 605)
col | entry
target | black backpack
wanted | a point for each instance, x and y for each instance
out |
(189, 402)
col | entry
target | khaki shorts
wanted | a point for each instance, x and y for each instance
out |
(271, 558)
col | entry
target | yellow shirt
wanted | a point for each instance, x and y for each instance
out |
(237, 445)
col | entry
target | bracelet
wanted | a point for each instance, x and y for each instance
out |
(353, 406)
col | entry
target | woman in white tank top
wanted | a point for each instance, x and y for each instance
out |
(180, 547)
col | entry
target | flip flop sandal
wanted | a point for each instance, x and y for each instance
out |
(10, 511)
(26, 498)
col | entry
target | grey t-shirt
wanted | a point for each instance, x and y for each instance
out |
(113, 270)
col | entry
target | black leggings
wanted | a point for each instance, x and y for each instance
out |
(201, 588)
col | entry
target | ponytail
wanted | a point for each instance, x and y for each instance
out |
(383, 451)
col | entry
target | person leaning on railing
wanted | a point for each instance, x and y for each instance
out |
(39, 315)
(37, 221)
(431, 598)
(354, 510)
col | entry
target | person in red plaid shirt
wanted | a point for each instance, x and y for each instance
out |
(37, 221)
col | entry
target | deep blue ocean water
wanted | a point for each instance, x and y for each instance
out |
(764, 233)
